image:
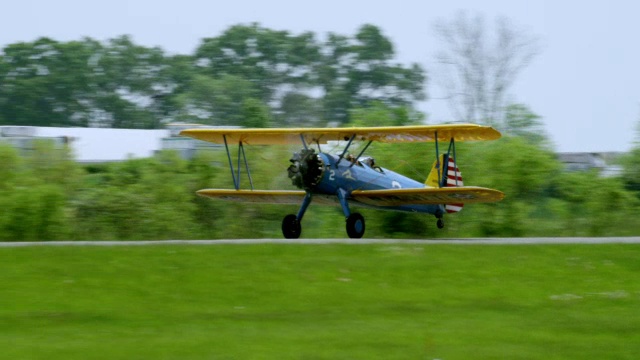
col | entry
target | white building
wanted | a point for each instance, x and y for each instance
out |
(604, 163)
(91, 145)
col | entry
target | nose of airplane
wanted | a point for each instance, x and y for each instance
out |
(306, 169)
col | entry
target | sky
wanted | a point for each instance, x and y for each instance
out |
(585, 83)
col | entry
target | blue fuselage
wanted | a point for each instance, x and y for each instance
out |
(350, 176)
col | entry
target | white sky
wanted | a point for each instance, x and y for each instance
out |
(585, 84)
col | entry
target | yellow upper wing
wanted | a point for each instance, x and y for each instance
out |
(390, 134)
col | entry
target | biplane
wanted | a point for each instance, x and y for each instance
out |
(344, 179)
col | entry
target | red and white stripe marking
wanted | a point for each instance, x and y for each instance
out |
(454, 179)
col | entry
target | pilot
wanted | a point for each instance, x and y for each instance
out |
(368, 160)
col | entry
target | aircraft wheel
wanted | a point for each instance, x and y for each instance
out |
(291, 228)
(440, 224)
(355, 226)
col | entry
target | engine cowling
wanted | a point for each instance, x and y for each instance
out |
(306, 169)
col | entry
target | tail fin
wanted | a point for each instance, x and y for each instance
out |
(446, 176)
(436, 175)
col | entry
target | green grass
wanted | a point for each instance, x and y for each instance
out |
(321, 302)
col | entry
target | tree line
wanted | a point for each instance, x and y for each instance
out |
(46, 195)
(255, 76)
(258, 77)
(279, 78)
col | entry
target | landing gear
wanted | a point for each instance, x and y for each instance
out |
(355, 226)
(439, 215)
(291, 228)
(355, 221)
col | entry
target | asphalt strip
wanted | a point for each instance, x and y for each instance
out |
(477, 241)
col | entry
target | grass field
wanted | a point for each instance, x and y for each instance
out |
(321, 302)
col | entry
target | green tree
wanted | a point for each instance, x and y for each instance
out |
(255, 114)
(631, 165)
(46, 83)
(297, 109)
(130, 83)
(595, 205)
(358, 71)
(218, 101)
(54, 163)
(350, 72)
(611, 209)
(268, 58)
(631, 170)
(3, 71)
(525, 172)
(139, 199)
(11, 174)
(34, 193)
(206, 169)
(520, 121)
(120, 84)
(11, 167)
(85, 83)
(379, 114)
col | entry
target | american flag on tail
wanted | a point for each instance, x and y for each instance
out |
(454, 179)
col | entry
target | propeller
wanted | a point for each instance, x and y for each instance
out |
(306, 169)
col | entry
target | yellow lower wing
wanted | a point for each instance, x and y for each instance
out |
(391, 197)
(451, 195)
(265, 196)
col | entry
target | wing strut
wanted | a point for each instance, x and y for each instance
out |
(438, 160)
(305, 204)
(346, 148)
(304, 143)
(361, 152)
(246, 165)
(235, 175)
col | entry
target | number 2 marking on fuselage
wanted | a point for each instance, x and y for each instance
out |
(347, 175)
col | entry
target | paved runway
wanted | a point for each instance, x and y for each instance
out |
(483, 241)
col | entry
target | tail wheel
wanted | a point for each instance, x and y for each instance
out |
(291, 228)
(355, 226)
(440, 223)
